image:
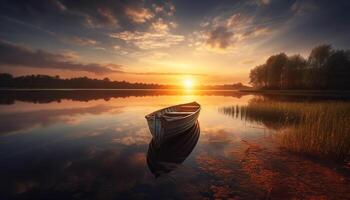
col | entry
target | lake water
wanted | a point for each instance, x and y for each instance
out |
(94, 145)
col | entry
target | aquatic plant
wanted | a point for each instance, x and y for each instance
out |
(320, 129)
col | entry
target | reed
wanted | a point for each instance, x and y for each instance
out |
(320, 129)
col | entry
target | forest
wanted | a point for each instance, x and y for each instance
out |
(324, 69)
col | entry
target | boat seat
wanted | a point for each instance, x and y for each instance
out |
(185, 110)
(178, 113)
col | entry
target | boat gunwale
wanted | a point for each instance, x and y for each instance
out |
(151, 115)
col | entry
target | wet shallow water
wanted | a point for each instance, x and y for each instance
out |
(94, 145)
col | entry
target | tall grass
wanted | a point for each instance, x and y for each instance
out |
(320, 129)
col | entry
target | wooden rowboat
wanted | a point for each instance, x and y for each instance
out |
(171, 121)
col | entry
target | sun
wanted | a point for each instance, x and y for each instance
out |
(188, 83)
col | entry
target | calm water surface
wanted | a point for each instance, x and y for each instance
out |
(78, 145)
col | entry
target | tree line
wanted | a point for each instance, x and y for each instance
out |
(325, 68)
(55, 82)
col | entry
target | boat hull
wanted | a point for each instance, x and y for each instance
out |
(163, 129)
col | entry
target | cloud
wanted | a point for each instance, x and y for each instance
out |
(263, 2)
(59, 5)
(149, 40)
(95, 13)
(64, 20)
(18, 56)
(70, 55)
(159, 36)
(101, 17)
(259, 2)
(160, 26)
(167, 8)
(302, 7)
(84, 41)
(92, 14)
(138, 15)
(158, 8)
(107, 16)
(116, 47)
(172, 8)
(256, 32)
(219, 38)
(226, 32)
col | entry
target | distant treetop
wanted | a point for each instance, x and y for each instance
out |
(325, 68)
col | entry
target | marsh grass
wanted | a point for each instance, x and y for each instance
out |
(318, 129)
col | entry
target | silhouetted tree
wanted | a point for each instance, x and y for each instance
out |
(293, 72)
(6, 80)
(319, 55)
(275, 65)
(258, 76)
(337, 70)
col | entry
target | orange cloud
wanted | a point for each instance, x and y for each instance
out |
(138, 15)
(160, 26)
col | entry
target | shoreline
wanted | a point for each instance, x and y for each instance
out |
(315, 93)
(297, 92)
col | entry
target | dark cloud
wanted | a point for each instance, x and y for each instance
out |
(92, 14)
(18, 56)
(220, 38)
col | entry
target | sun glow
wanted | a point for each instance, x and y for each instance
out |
(188, 83)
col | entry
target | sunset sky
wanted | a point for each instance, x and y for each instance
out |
(209, 42)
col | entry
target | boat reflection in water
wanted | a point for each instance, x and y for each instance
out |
(166, 157)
